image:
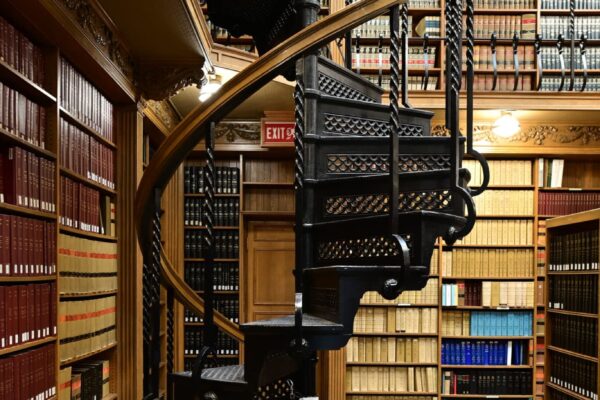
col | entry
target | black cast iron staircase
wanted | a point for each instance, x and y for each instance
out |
(374, 192)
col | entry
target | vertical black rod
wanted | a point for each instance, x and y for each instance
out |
(348, 40)
(515, 45)
(170, 339)
(405, 33)
(454, 67)
(540, 61)
(358, 55)
(210, 330)
(380, 61)
(561, 58)
(395, 115)
(494, 60)
(584, 66)
(572, 33)
(425, 81)
(470, 70)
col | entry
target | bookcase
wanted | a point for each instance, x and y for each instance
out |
(572, 306)
(526, 18)
(59, 195)
(479, 323)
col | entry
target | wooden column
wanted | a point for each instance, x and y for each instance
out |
(129, 129)
(332, 374)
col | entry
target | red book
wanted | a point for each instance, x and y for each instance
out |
(3, 333)
(53, 306)
(12, 315)
(4, 245)
(9, 175)
(23, 330)
(37, 309)
(42, 127)
(31, 305)
(45, 309)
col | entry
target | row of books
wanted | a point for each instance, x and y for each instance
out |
(551, 59)
(500, 232)
(488, 263)
(552, 26)
(391, 350)
(574, 374)
(504, 26)
(485, 352)
(226, 275)
(227, 305)
(427, 295)
(564, 203)
(504, 83)
(576, 251)
(387, 397)
(482, 57)
(488, 294)
(552, 84)
(575, 334)
(81, 99)
(27, 313)
(226, 244)
(564, 4)
(504, 4)
(29, 375)
(417, 3)
(194, 340)
(405, 320)
(189, 362)
(505, 202)
(550, 172)
(86, 266)
(86, 156)
(429, 25)
(502, 172)
(369, 57)
(22, 117)
(27, 246)
(487, 323)
(85, 381)
(18, 51)
(27, 180)
(486, 382)
(226, 212)
(391, 379)
(80, 206)
(86, 326)
(227, 179)
(414, 82)
(577, 293)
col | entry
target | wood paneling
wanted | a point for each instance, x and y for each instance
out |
(269, 265)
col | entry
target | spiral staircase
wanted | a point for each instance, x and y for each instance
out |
(374, 192)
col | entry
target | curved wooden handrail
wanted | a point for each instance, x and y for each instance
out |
(193, 127)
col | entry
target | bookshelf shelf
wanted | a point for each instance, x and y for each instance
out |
(507, 187)
(92, 132)
(267, 214)
(566, 189)
(87, 235)
(591, 272)
(216, 195)
(27, 212)
(398, 305)
(28, 345)
(498, 308)
(220, 291)
(269, 184)
(506, 216)
(488, 278)
(24, 85)
(421, 394)
(395, 334)
(488, 396)
(566, 12)
(450, 366)
(67, 172)
(572, 313)
(223, 356)
(390, 364)
(27, 279)
(573, 353)
(504, 11)
(87, 294)
(70, 361)
(6, 136)
(488, 337)
(417, 71)
(216, 259)
(567, 391)
(218, 228)
(491, 246)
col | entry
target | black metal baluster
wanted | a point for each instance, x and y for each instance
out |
(561, 58)
(538, 54)
(425, 80)
(494, 60)
(395, 115)
(584, 66)
(348, 49)
(515, 46)
(380, 60)
(170, 338)
(358, 55)
(572, 34)
(405, 33)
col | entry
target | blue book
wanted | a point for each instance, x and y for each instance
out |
(468, 353)
(486, 353)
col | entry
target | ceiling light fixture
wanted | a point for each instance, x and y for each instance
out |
(506, 126)
(208, 89)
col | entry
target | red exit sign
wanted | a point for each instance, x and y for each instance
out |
(277, 133)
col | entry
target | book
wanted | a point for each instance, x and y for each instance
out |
(29, 375)
(397, 379)
(487, 323)
(502, 172)
(576, 293)
(500, 232)
(485, 352)
(226, 244)
(226, 212)
(574, 374)
(194, 339)
(18, 51)
(505, 202)
(227, 180)
(488, 294)
(391, 350)
(22, 117)
(426, 296)
(575, 334)
(576, 251)
(83, 207)
(487, 382)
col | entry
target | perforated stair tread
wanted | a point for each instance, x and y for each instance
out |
(310, 324)
(231, 374)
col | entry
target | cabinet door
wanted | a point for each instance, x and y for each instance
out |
(269, 266)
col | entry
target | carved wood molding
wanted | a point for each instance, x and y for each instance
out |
(160, 81)
(237, 132)
(99, 30)
(164, 112)
(533, 135)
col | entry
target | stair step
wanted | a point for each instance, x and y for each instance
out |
(233, 374)
(310, 324)
(338, 81)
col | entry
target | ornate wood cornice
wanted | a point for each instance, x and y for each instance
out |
(95, 25)
(237, 132)
(533, 135)
(158, 81)
(164, 112)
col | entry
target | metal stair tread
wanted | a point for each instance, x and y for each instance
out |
(230, 374)
(310, 324)
(402, 215)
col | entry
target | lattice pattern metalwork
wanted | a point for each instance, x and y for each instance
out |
(368, 204)
(357, 163)
(369, 247)
(280, 390)
(336, 88)
(431, 201)
(410, 130)
(349, 125)
(423, 162)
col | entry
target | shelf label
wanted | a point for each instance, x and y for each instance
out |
(277, 133)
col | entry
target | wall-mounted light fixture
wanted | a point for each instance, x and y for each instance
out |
(209, 88)
(507, 125)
